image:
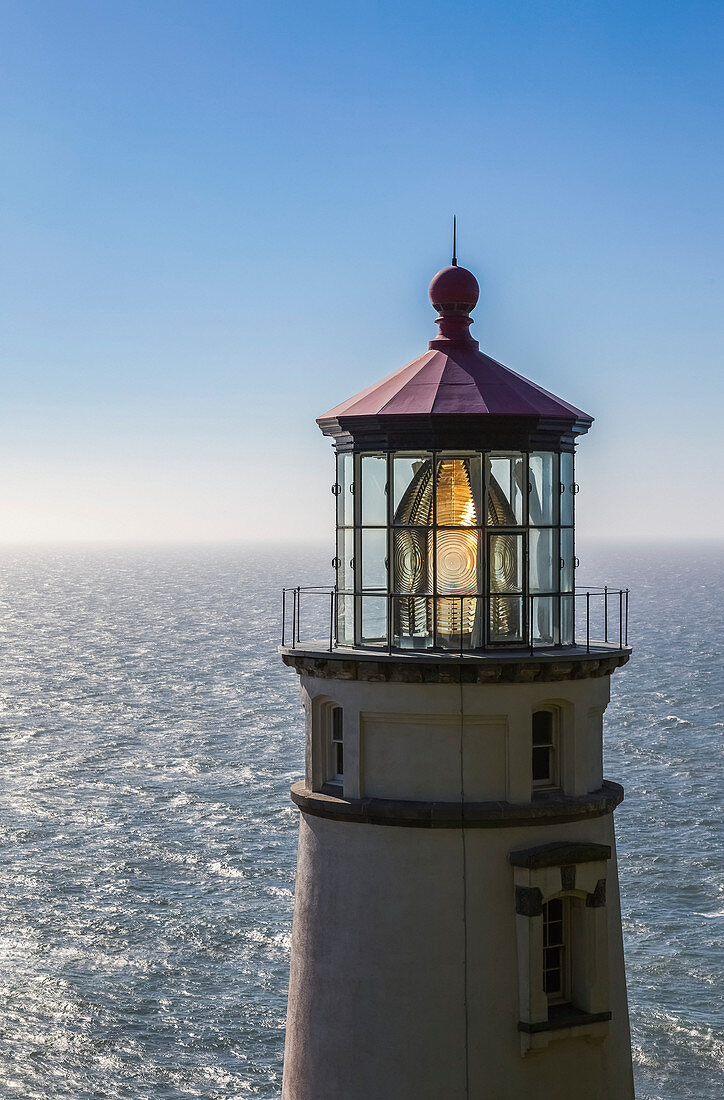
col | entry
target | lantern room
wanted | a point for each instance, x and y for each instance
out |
(455, 494)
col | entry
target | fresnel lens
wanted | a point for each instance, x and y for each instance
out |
(449, 562)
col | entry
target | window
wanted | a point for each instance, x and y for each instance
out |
(545, 753)
(557, 950)
(325, 756)
(336, 746)
(562, 941)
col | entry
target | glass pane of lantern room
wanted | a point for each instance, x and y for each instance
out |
(458, 484)
(412, 622)
(566, 489)
(345, 620)
(374, 495)
(505, 574)
(567, 613)
(457, 622)
(544, 620)
(457, 553)
(505, 563)
(567, 559)
(374, 620)
(374, 557)
(345, 494)
(345, 558)
(505, 623)
(411, 559)
(543, 488)
(505, 485)
(543, 560)
(412, 490)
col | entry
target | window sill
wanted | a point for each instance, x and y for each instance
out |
(542, 793)
(332, 788)
(564, 1022)
(564, 1016)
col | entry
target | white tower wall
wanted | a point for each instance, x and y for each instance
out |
(417, 948)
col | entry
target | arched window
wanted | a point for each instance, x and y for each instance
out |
(545, 755)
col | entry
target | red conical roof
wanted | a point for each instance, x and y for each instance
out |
(457, 382)
(454, 381)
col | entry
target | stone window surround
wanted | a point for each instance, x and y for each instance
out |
(323, 770)
(576, 871)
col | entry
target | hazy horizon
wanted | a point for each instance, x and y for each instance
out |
(582, 540)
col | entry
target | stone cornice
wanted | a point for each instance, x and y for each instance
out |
(455, 815)
(417, 668)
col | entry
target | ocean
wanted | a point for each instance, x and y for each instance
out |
(149, 733)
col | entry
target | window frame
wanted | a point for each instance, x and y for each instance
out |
(335, 745)
(553, 781)
(563, 996)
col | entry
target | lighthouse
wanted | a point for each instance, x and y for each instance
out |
(457, 929)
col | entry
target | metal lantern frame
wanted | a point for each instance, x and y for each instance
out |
(367, 611)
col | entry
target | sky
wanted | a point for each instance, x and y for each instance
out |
(219, 220)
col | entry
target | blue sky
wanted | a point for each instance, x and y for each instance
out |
(221, 219)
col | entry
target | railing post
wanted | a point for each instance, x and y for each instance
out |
(461, 626)
(588, 622)
(620, 618)
(331, 620)
(390, 620)
(299, 613)
(530, 622)
(626, 631)
(294, 618)
(284, 612)
(605, 612)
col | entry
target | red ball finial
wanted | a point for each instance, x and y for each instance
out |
(454, 290)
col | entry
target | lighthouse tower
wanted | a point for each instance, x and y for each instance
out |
(457, 932)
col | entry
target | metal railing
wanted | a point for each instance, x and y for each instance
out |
(294, 596)
(611, 602)
(605, 612)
